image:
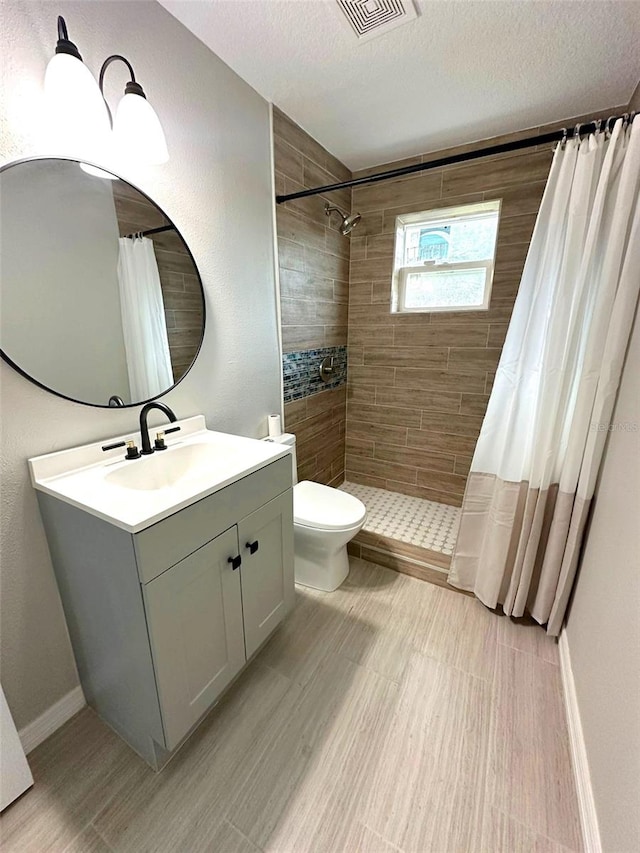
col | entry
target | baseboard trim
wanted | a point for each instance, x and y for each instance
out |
(586, 802)
(47, 723)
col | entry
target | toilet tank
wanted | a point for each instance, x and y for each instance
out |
(289, 440)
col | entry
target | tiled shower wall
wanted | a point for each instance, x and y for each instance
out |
(313, 260)
(419, 383)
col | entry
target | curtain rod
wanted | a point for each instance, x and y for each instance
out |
(542, 139)
(151, 231)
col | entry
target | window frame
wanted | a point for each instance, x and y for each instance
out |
(432, 218)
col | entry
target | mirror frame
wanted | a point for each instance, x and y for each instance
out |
(6, 358)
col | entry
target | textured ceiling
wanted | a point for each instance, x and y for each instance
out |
(464, 70)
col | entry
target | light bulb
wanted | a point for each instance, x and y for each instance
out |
(137, 131)
(77, 112)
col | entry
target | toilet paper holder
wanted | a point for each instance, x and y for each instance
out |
(327, 368)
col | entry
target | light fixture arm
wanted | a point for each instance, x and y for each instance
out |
(64, 45)
(132, 87)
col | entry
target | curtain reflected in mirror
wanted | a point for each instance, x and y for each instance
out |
(90, 309)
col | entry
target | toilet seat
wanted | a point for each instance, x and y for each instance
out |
(324, 508)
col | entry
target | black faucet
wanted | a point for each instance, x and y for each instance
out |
(144, 429)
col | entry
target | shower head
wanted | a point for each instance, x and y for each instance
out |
(348, 222)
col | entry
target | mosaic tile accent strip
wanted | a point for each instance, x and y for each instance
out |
(301, 372)
(415, 521)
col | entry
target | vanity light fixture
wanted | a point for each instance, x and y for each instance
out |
(78, 105)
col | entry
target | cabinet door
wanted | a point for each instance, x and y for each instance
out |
(194, 612)
(266, 546)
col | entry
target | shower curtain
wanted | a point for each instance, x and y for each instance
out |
(143, 322)
(535, 465)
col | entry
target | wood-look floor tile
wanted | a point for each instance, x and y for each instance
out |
(294, 650)
(436, 744)
(530, 775)
(463, 634)
(310, 781)
(503, 834)
(374, 638)
(76, 772)
(526, 635)
(362, 839)
(182, 807)
(88, 842)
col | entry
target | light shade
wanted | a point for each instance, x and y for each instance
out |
(78, 115)
(137, 131)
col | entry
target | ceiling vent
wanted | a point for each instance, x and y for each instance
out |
(371, 18)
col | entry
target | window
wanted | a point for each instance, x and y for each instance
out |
(444, 258)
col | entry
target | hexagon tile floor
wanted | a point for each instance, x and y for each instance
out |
(426, 524)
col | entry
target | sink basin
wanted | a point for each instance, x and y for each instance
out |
(200, 461)
(134, 494)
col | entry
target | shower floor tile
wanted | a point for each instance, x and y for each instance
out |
(415, 521)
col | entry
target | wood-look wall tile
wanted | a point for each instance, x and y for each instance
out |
(413, 457)
(364, 479)
(381, 292)
(335, 336)
(427, 494)
(519, 199)
(451, 423)
(391, 415)
(325, 265)
(381, 469)
(362, 394)
(367, 270)
(360, 375)
(462, 465)
(371, 335)
(407, 356)
(299, 337)
(336, 243)
(412, 398)
(372, 431)
(487, 175)
(358, 248)
(298, 312)
(497, 334)
(474, 359)
(298, 285)
(437, 380)
(474, 404)
(432, 335)
(299, 229)
(390, 214)
(516, 229)
(441, 481)
(359, 447)
(287, 158)
(360, 293)
(380, 246)
(332, 313)
(370, 224)
(441, 442)
(324, 401)
(419, 189)
(355, 355)
(294, 412)
(341, 291)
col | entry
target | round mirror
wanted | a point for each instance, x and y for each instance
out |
(100, 298)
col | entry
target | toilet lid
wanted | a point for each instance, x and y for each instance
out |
(315, 505)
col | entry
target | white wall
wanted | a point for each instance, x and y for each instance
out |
(217, 188)
(603, 629)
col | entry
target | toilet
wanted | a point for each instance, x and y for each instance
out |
(324, 521)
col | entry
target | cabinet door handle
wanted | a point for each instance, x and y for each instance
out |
(236, 562)
(252, 546)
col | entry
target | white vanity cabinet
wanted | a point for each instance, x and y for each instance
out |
(163, 619)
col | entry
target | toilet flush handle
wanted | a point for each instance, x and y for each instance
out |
(252, 546)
